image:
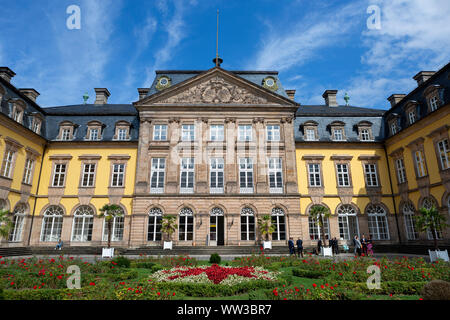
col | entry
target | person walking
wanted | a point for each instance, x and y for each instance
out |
(335, 246)
(357, 245)
(364, 244)
(291, 246)
(300, 247)
(369, 246)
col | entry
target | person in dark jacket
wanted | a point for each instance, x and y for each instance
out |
(291, 246)
(300, 247)
(319, 246)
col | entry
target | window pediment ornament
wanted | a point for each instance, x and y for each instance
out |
(431, 90)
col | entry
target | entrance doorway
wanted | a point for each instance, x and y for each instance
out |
(216, 228)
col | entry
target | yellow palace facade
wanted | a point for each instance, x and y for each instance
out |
(219, 149)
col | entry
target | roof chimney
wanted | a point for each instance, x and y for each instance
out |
(396, 98)
(330, 98)
(30, 93)
(101, 95)
(143, 92)
(291, 94)
(6, 73)
(423, 76)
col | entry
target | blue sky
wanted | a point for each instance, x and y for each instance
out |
(315, 45)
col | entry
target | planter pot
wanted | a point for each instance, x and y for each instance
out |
(167, 245)
(108, 253)
(438, 254)
(267, 245)
(327, 251)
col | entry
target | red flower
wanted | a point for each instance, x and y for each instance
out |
(59, 277)
(92, 284)
(314, 285)
(158, 293)
(322, 286)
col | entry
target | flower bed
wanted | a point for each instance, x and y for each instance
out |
(214, 274)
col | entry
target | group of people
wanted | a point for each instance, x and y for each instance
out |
(363, 246)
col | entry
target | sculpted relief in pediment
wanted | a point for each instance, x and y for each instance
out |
(216, 90)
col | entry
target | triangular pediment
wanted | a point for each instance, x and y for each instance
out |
(216, 86)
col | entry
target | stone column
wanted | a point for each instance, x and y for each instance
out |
(143, 164)
(261, 166)
(173, 160)
(230, 160)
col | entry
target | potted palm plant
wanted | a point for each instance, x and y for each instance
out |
(5, 224)
(110, 212)
(266, 228)
(168, 227)
(431, 220)
(320, 214)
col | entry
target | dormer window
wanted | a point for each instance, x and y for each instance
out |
(411, 111)
(66, 131)
(392, 121)
(433, 103)
(94, 131)
(412, 116)
(122, 131)
(433, 96)
(338, 131)
(310, 131)
(17, 111)
(337, 135)
(393, 128)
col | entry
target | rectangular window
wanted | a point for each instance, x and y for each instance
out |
(216, 175)
(36, 127)
(401, 173)
(188, 132)
(275, 175)
(314, 175)
(310, 134)
(246, 175)
(420, 164)
(160, 132)
(65, 135)
(16, 115)
(216, 132)
(59, 175)
(27, 177)
(393, 128)
(433, 103)
(118, 175)
(273, 133)
(88, 175)
(93, 134)
(412, 117)
(444, 154)
(343, 175)
(245, 133)
(370, 171)
(365, 135)
(8, 163)
(338, 135)
(187, 175)
(158, 174)
(122, 134)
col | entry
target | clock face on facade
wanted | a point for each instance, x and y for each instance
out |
(270, 83)
(163, 83)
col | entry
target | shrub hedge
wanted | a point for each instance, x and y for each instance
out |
(386, 287)
(308, 273)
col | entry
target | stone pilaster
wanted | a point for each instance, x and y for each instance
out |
(173, 161)
(230, 160)
(143, 165)
(290, 163)
(260, 165)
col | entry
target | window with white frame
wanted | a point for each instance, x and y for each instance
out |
(188, 132)
(88, 175)
(273, 133)
(247, 224)
(408, 216)
(216, 174)
(393, 128)
(17, 115)
(444, 154)
(434, 103)
(186, 225)
(18, 221)
(275, 175)
(314, 229)
(8, 161)
(122, 134)
(314, 175)
(246, 175)
(187, 171)
(420, 164)
(52, 224)
(154, 224)
(370, 171)
(401, 172)
(160, 132)
(216, 132)
(310, 134)
(36, 126)
(278, 220)
(59, 175)
(66, 134)
(338, 135)
(118, 175)
(83, 223)
(245, 133)
(365, 135)
(94, 134)
(117, 227)
(158, 175)
(412, 116)
(377, 221)
(343, 175)
(27, 174)
(348, 222)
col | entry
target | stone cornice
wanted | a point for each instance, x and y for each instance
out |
(368, 157)
(313, 157)
(60, 157)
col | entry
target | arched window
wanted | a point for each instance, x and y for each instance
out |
(278, 219)
(117, 226)
(186, 226)
(408, 216)
(377, 220)
(348, 222)
(83, 223)
(314, 229)
(429, 203)
(247, 224)
(154, 224)
(19, 214)
(52, 224)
